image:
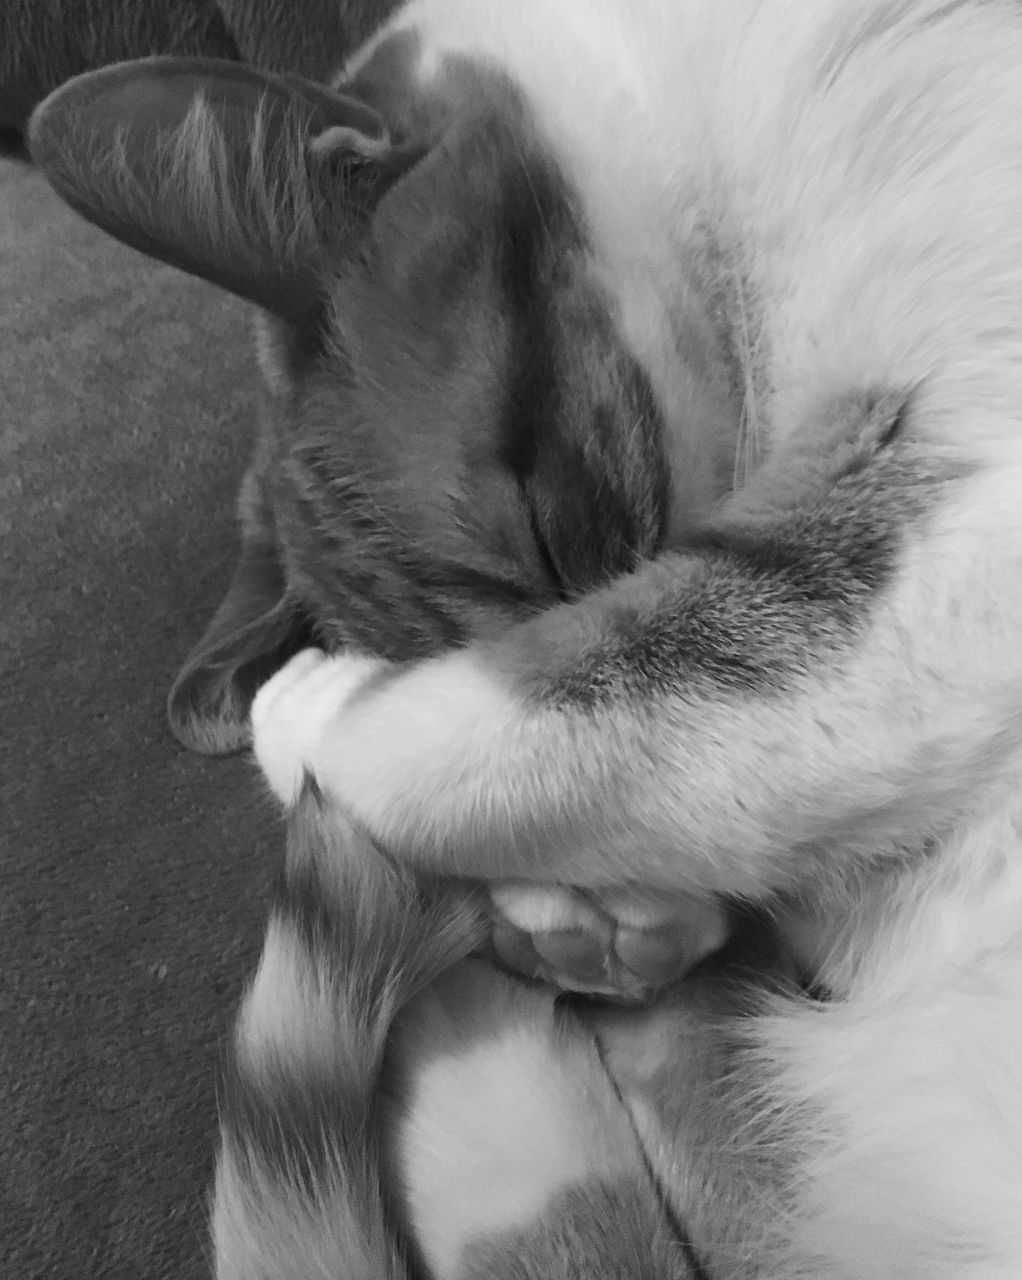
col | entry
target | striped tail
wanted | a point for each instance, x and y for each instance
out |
(351, 940)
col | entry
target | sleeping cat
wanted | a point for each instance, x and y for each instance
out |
(775, 247)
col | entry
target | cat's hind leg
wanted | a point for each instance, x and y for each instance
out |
(513, 1154)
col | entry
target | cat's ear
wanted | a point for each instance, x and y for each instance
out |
(256, 629)
(246, 179)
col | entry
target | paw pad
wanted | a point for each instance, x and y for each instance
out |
(621, 945)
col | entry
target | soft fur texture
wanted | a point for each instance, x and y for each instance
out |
(775, 248)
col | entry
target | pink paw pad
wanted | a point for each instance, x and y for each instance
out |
(622, 945)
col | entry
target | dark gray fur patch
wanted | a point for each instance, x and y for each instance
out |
(294, 1126)
(746, 603)
(579, 428)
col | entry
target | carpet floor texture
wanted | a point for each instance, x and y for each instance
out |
(133, 875)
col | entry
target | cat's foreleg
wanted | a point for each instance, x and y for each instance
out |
(621, 942)
(833, 666)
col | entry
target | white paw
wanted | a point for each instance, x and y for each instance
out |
(292, 711)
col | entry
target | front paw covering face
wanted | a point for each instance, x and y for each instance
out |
(292, 714)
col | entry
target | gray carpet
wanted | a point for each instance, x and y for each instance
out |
(132, 875)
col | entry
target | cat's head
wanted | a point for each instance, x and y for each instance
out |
(456, 430)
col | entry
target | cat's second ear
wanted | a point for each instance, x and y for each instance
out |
(256, 630)
(249, 180)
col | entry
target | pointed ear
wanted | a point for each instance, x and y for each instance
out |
(252, 635)
(246, 179)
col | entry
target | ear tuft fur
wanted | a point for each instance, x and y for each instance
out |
(341, 138)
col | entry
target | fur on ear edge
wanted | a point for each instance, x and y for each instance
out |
(218, 169)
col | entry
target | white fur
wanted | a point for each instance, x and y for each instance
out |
(491, 1137)
(498, 1123)
(288, 1014)
(292, 711)
(926, 1175)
